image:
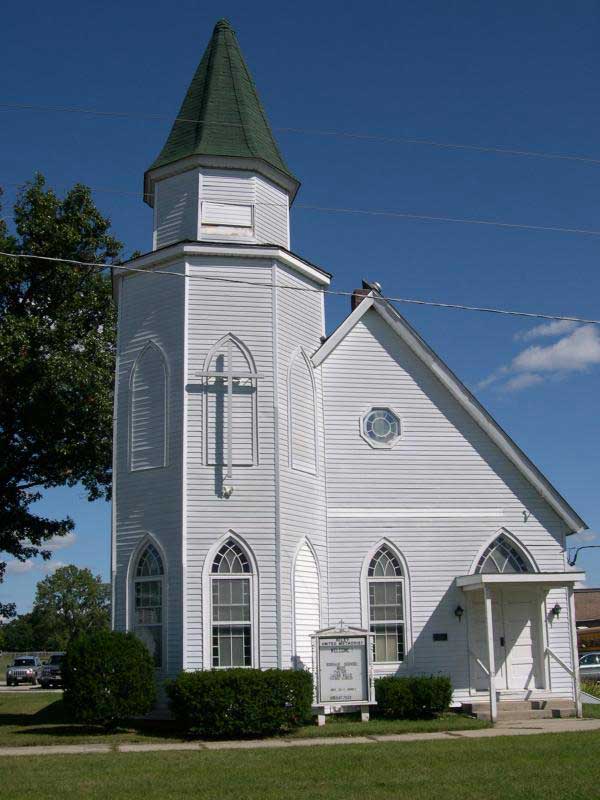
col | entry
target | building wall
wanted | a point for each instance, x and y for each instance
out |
(176, 209)
(148, 502)
(443, 461)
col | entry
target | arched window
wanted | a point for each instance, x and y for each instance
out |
(148, 590)
(230, 381)
(503, 556)
(302, 414)
(148, 410)
(385, 586)
(231, 594)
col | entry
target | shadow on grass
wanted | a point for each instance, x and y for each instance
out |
(53, 720)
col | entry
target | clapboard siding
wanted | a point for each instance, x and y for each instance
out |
(307, 612)
(271, 215)
(214, 311)
(301, 493)
(148, 502)
(443, 461)
(176, 209)
(302, 410)
(148, 409)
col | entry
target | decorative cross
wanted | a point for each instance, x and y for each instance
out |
(229, 379)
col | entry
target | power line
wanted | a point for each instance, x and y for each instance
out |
(395, 214)
(368, 137)
(239, 281)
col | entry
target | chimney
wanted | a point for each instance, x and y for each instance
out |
(358, 295)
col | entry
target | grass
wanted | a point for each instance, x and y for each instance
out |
(550, 767)
(37, 717)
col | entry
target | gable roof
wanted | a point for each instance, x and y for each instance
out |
(227, 118)
(458, 390)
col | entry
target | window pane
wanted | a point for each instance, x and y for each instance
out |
(232, 646)
(151, 636)
(231, 600)
(388, 642)
(385, 600)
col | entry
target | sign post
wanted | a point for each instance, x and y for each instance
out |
(343, 669)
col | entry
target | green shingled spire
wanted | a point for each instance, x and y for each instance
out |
(223, 99)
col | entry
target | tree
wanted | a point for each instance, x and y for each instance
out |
(69, 602)
(19, 635)
(57, 345)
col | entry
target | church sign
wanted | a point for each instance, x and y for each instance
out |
(342, 667)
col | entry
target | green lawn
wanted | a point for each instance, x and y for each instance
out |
(38, 717)
(550, 767)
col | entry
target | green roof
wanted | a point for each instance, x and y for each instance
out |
(221, 114)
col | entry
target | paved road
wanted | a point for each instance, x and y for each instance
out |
(24, 687)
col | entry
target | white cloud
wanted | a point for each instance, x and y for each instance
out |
(60, 542)
(48, 567)
(15, 566)
(577, 351)
(555, 327)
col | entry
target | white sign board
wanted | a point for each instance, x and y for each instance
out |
(343, 670)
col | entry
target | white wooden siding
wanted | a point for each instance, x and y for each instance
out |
(302, 411)
(176, 209)
(148, 410)
(307, 618)
(226, 214)
(271, 216)
(443, 461)
(150, 501)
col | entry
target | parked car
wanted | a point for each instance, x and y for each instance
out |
(24, 669)
(589, 666)
(51, 674)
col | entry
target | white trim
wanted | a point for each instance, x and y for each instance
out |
(388, 666)
(479, 581)
(184, 498)
(207, 598)
(277, 473)
(460, 392)
(414, 513)
(514, 540)
(150, 345)
(182, 249)
(384, 406)
(300, 353)
(115, 453)
(135, 556)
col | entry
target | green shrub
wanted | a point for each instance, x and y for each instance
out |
(412, 697)
(108, 677)
(238, 703)
(591, 687)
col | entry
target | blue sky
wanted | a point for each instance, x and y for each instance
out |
(517, 75)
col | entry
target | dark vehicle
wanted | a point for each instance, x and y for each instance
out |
(52, 671)
(589, 666)
(24, 669)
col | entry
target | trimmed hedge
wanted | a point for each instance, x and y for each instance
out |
(239, 703)
(108, 677)
(411, 697)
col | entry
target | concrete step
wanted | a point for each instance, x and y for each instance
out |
(524, 709)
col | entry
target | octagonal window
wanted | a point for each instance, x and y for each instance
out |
(381, 427)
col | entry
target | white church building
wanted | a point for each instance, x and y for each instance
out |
(271, 480)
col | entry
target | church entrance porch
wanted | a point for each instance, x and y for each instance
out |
(508, 651)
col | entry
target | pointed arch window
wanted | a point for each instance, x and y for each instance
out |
(302, 414)
(148, 601)
(386, 603)
(232, 587)
(502, 556)
(230, 399)
(148, 410)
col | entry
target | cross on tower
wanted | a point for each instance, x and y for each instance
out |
(229, 378)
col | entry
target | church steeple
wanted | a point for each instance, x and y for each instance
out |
(222, 117)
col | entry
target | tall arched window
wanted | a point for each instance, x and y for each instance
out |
(230, 381)
(148, 410)
(231, 612)
(502, 555)
(148, 598)
(302, 414)
(385, 586)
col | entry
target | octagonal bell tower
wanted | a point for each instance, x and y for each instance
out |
(219, 510)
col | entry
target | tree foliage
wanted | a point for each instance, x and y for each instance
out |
(69, 602)
(57, 335)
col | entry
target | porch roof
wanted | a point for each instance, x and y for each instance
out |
(472, 582)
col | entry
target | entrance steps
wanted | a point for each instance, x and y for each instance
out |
(514, 710)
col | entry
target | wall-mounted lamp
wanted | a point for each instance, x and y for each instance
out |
(555, 611)
(226, 491)
(458, 612)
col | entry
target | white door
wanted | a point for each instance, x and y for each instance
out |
(514, 623)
